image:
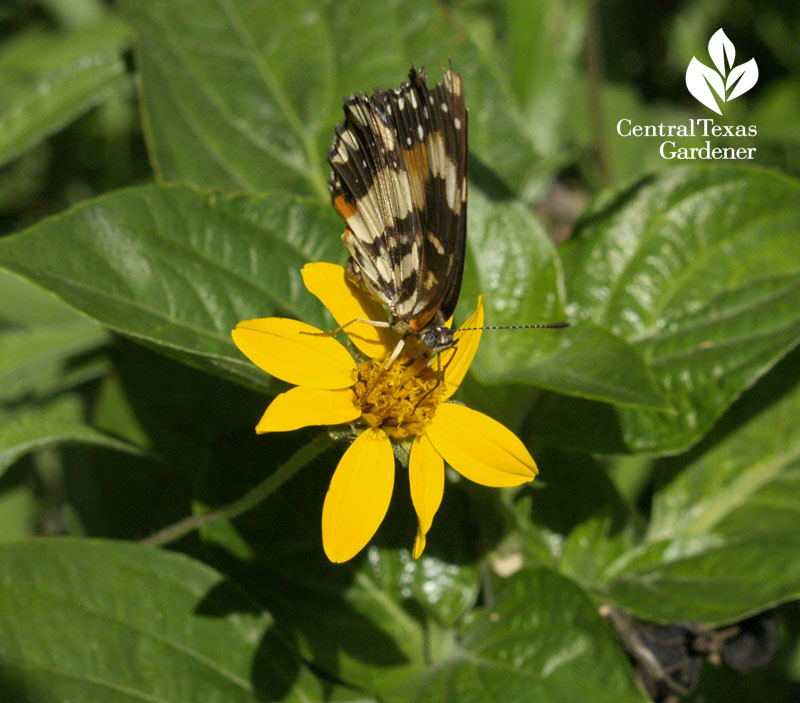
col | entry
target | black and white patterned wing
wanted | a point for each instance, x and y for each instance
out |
(370, 189)
(399, 180)
(432, 130)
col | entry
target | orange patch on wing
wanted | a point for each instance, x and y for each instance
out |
(420, 321)
(416, 159)
(345, 209)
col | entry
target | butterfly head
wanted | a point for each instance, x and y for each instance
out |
(437, 338)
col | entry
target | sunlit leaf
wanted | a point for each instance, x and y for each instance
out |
(542, 641)
(722, 543)
(513, 263)
(695, 270)
(177, 269)
(238, 101)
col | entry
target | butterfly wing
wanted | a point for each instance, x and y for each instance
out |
(445, 225)
(370, 189)
(399, 180)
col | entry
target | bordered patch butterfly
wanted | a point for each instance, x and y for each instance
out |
(399, 180)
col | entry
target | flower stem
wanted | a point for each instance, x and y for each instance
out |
(246, 502)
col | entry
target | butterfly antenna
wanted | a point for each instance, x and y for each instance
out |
(544, 325)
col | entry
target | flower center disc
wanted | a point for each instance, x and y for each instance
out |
(400, 400)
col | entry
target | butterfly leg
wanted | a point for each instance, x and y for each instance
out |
(395, 353)
(452, 356)
(438, 381)
(340, 328)
(439, 374)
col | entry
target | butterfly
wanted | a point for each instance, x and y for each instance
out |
(399, 181)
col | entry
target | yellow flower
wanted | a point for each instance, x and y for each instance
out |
(389, 405)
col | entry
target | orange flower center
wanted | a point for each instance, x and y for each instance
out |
(400, 400)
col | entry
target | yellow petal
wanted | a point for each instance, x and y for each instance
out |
(480, 448)
(346, 301)
(419, 544)
(277, 346)
(301, 407)
(426, 476)
(457, 361)
(358, 496)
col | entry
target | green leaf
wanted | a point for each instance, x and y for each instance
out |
(714, 579)
(723, 542)
(746, 475)
(445, 591)
(18, 515)
(345, 695)
(238, 101)
(75, 13)
(23, 179)
(592, 363)
(59, 422)
(113, 411)
(514, 264)
(694, 268)
(47, 80)
(114, 622)
(33, 359)
(177, 269)
(522, 94)
(542, 641)
(24, 305)
(574, 508)
(776, 113)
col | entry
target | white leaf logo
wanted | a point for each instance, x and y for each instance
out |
(741, 79)
(727, 81)
(719, 49)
